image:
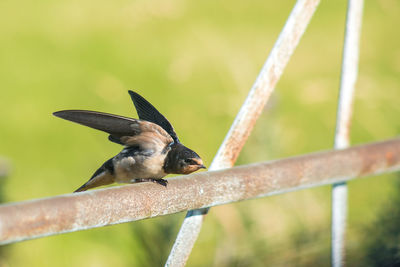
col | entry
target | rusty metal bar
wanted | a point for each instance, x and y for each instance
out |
(246, 119)
(97, 208)
(342, 134)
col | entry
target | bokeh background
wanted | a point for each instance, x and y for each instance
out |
(195, 61)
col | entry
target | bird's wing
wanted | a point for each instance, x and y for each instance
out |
(118, 127)
(148, 112)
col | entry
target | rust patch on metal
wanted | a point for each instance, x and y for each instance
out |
(367, 163)
(392, 158)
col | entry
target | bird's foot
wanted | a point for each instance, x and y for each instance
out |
(159, 181)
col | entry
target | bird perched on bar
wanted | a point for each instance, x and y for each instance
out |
(151, 147)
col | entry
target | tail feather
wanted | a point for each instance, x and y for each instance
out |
(103, 178)
(81, 189)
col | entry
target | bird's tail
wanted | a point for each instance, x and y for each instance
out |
(103, 178)
(82, 188)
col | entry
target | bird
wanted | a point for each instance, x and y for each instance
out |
(151, 150)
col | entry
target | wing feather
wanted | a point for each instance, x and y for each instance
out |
(148, 112)
(118, 127)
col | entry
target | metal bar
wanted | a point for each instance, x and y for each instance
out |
(97, 208)
(343, 121)
(338, 221)
(246, 119)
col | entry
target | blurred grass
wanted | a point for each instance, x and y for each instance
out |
(195, 61)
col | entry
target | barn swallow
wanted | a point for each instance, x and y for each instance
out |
(151, 147)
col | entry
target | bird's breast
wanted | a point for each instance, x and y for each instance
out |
(130, 168)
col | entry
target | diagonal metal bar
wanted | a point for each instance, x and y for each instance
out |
(343, 121)
(97, 208)
(245, 120)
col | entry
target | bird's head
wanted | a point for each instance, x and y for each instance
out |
(182, 160)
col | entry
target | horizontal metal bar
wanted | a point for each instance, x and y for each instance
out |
(73, 212)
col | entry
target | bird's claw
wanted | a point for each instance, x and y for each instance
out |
(160, 181)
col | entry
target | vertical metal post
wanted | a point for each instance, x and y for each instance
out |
(246, 118)
(347, 84)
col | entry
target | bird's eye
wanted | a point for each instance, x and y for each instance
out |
(188, 161)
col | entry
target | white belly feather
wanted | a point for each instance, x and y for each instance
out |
(128, 169)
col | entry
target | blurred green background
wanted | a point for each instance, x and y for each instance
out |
(195, 61)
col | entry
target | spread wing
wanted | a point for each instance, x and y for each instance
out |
(118, 127)
(148, 112)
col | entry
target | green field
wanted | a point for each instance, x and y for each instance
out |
(195, 61)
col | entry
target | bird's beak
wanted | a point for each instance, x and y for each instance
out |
(202, 167)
